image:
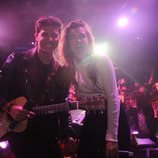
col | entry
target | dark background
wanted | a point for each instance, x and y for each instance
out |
(134, 49)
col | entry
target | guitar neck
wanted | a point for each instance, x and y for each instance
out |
(50, 109)
(89, 105)
(63, 107)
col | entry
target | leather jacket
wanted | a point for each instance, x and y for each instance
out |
(15, 81)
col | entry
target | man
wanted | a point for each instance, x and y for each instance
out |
(141, 114)
(94, 79)
(34, 79)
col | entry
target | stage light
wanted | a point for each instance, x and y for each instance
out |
(4, 144)
(135, 132)
(101, 49)
(122, 22)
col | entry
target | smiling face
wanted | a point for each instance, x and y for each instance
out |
(47, 39)
(79, 44)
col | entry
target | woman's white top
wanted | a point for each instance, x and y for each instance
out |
(106, 88)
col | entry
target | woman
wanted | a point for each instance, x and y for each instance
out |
(94, 79)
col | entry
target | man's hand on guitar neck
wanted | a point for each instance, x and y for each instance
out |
(18, 113)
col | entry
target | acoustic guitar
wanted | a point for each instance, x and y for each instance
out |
(7, 124)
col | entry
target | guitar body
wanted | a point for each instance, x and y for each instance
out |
(5, 120)
(4, 124)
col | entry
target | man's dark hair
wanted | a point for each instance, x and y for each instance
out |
(44, 21)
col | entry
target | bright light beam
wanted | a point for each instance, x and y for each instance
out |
(122, 22)
(4, 144)
(101, 49)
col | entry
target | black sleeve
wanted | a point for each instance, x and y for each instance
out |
(5, 77)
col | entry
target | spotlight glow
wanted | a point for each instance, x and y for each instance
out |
(101, 49)
(135, 132)
(4, 144)
(122, 22)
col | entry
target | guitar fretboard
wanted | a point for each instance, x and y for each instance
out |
(89, 105)
(63, 107)
(50, 109)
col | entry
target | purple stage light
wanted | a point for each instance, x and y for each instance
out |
(4, 144)
(122, 21)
